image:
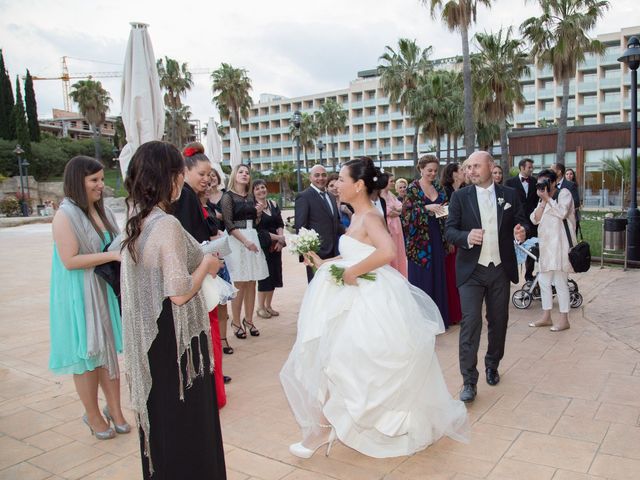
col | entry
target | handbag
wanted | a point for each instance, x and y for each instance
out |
(580, 254)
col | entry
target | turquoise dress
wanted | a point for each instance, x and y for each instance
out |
(67, 319)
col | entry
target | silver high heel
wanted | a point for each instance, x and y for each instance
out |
(299, 450)
(126, 428)
(106, 435)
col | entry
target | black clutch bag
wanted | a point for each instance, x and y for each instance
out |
(110, 273)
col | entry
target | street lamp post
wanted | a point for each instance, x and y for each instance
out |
(320, 146)
(380, 158)
(297, 120)
(22, 163)
(116, 159)
(631, 57)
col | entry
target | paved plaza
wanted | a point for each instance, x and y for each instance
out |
(567, 407)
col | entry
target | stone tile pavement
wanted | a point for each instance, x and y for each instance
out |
(567, 408)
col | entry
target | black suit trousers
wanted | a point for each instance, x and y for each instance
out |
(491, 285)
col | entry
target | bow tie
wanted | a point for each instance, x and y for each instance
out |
(525, 179)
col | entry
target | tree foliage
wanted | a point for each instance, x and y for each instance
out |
(31, 108)
(93, 102)
(332, 119)
(20, 121)
(176, 80)
(231, 87)
(7, 126)
(559, 38)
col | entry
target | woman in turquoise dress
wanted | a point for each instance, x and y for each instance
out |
(85, 322)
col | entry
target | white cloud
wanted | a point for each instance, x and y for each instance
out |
(289, 47)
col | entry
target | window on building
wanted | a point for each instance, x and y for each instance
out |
(589, 120)
(612, 97)
(371, 94)
(589, 99)
(613, 118)
(612, 72)
(590, 77)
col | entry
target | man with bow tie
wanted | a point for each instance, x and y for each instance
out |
(525, 185)
(484, 218)
(316, 209)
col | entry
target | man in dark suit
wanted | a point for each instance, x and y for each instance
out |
(525, 185)
(316, 209)
(483, 220)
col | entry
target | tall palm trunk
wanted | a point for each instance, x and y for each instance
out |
(562, 126)
(469, 126)
(306, 160)
(415, 144)
(333, 153)
(174, 129)
(438, 144)
(96, 142)
(504, 147)
(455, 148)
(448, 148)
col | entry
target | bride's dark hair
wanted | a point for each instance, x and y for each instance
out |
(363, 169)
(150, 179)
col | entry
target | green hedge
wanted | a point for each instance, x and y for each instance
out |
(50, 155)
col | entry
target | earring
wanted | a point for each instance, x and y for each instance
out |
(357, 190)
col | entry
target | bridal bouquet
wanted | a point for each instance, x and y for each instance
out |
(304, 242)
(338, 275)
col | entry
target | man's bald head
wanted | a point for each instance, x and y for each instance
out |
(318, 176)
(480, 165)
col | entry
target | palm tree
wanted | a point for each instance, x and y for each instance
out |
(497, 69)
(332, 119)
(284, 172)
(559, 39)
(232, 86)
(455, 116)
(399, 76)
(459, 15)
(93, 102)
(182, 126)
(621, 167)
(176, 81)
(488, 133)
(308, 132)
(431, 103)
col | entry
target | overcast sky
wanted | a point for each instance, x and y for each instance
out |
(289, 47)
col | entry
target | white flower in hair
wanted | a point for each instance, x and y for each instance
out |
(375, 179)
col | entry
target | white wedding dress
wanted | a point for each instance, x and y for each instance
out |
(364, 361)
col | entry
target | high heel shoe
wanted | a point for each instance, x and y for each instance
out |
(226, 349)
(106, 435)
(239, 331)
(299, 450)
(125, 428)
(251, 327)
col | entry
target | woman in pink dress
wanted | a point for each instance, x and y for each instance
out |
(394, 210)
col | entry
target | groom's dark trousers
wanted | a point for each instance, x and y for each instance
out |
(489, 284)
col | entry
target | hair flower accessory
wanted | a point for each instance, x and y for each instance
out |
(375, 179)
(189, 152)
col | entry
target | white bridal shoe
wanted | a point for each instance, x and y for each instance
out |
(299, 450)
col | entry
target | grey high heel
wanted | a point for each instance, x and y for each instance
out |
(106, 435)
(126, 428)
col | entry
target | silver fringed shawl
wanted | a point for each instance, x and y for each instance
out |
(100, 340)
(167, 256)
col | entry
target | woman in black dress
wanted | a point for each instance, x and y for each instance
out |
(166, 327)
(271, 236)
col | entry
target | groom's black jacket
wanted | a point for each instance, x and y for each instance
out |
(464, 216)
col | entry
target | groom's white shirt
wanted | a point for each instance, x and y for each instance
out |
(490, 249)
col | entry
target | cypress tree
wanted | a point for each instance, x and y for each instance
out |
(32, 108)
(7, 130)
(20, 123)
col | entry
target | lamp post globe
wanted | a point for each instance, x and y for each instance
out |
(320, 146)
(631, 57)
(297, 121)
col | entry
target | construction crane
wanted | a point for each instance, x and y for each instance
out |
(66, 78)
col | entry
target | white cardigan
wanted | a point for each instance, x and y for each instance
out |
(552, 237)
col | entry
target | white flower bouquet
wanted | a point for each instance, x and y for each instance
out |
(304, 242)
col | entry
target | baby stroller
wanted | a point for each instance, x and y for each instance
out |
(530, 291)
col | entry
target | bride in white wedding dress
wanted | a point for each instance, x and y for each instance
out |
(363, 368)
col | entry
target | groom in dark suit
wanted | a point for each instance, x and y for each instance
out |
(316, 209)
(483, 220)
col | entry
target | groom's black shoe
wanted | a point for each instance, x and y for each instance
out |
(468, 393)
(493, 377)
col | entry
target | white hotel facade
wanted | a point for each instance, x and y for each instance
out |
(600, 93)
